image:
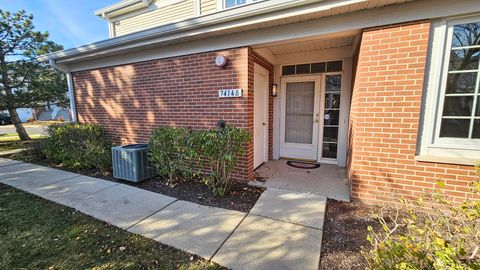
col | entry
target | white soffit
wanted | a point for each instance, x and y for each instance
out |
(311, 45)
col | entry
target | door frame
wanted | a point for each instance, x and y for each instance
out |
(258, 69)
(310, 152)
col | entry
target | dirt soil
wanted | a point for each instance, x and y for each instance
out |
(241, 197)
(345, 232)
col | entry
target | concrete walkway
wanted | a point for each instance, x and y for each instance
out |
(282, 231)
(328, 180)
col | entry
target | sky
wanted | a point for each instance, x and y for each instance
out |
(70, 23)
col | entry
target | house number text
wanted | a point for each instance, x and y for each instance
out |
(227, 93)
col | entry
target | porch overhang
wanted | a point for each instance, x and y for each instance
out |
(254, 24)
(255, 16)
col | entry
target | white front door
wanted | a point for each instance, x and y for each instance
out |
(300, 99)
(260, 116)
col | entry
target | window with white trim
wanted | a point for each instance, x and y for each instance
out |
(451, 125)
(461, 106)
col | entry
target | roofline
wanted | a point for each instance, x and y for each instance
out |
(120, 5)
(205, 21)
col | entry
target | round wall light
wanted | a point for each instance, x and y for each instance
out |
(220, 61)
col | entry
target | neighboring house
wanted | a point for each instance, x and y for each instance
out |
(52, 112)
(46, 113)
(25, 114)
(387, 88)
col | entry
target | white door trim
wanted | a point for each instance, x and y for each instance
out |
(258, 69)
(293, 150)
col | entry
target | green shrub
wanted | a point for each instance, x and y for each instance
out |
(433, 234)
(170, 154)
(77, 146)
(33, 151)
(220, 148)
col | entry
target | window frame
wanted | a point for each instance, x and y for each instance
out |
(445, 71)
(431, 144)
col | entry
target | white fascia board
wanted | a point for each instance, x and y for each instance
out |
(103, 12)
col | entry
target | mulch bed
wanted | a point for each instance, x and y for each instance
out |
(345, 232)
(241, 197)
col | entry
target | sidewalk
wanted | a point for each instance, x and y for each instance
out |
(282, 231)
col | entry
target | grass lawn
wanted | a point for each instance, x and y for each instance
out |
(12, 145)
(14, 137)
(38, 234)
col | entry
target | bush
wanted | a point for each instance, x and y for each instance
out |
(441, 236)
(34, 150)
(78, 146)
(169, 152)
(220, 148)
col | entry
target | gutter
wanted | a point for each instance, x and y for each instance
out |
(71, 94)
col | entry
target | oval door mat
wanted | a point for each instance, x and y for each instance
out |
(302, 165)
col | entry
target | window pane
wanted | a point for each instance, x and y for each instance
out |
(455, 128)
(318, 67)
(299, 112)
(331, 117)
(330, 134)
(464, 59)
(477, 111)
(458, 83)
(476, 129)
(303, 69)
(229, 3)
(334, 66)
(329, 150)
(288, 70)
(332, 101)
(458, 106)
(333, 83)
(466, 35)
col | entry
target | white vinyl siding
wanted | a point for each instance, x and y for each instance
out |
(162, 14)
(208, 6)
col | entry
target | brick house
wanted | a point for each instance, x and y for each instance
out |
(388, 89)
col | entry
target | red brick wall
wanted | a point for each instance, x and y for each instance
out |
(131, 100)
(384, 120)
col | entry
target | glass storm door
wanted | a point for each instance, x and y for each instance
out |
(300, 117)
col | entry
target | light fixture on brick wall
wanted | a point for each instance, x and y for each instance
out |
(221, 61)
(274, 90)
